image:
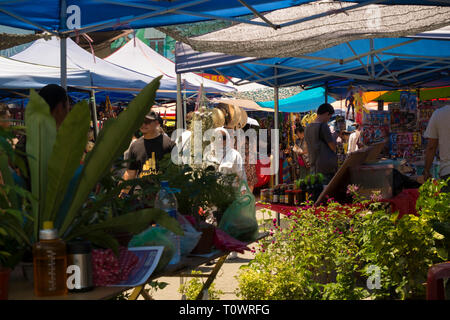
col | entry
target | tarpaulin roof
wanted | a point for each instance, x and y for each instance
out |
(374, 64)
(93, 15)
(21, 75)
(302, 102)
(104, 75)
(376, 21)
(137, 56)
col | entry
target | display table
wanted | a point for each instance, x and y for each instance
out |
(21, 289)
(280, 208)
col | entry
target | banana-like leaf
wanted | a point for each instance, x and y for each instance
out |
(41, 135)
(133, 222)
(113, 140)
(104, 240)
(70, 143)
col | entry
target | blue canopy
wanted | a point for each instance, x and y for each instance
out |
(374, 64)
(63, 16)
(302, 102)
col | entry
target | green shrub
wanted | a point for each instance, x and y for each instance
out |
(192, 288)
(328, 252)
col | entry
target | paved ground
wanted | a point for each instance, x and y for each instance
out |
(226, 279)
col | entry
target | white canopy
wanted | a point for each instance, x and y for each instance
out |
(21, 75)
(137, 56)
(104, 74)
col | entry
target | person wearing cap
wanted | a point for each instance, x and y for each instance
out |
(146, 151)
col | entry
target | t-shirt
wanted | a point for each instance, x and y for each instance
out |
(145, 153)
(439, 128)
(321, 158)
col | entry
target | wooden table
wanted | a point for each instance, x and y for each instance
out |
(21, 289)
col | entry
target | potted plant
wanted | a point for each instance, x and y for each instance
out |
(61, 187)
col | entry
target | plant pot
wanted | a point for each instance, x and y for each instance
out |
(206, 241)
(4, 283)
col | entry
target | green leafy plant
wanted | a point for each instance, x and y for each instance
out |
(326, 252)
(54, 160)
(433, 205)
(14, 201)
(199, 188)
(191, 289)
(403, 249)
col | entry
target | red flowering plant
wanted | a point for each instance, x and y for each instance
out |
(315, 256)
(327, 252)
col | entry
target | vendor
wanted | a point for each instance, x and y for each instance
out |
(438, 134)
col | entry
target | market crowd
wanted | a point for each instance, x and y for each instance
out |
(316, 149)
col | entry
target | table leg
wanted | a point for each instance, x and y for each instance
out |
(211, 276)
(136, 292)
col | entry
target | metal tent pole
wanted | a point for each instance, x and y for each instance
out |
(94, 113)
(277, 144)
(63, 57)
(63, 45)
(179, 108)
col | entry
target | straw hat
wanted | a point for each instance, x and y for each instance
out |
(218, 117)
(243, 118)
(228, 112)
(235, 113)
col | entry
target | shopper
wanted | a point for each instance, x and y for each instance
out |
(250, 168)
(148, 150)
(301, 150)
(58, 101)
(438, 135)
(321, 145)
(5, 116)
(224, 157)
(354, 139)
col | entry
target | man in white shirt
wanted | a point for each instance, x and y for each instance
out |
(353, 140)
(438, 134)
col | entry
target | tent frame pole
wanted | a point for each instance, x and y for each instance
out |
(93, 106)
(277, 140)
(179, 108)
(63, 45)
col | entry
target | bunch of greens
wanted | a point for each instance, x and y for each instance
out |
(199, 189)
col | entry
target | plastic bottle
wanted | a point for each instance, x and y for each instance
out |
(50, 263)
(166, 200)
(275, 195)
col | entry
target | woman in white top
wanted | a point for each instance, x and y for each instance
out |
(227, 159)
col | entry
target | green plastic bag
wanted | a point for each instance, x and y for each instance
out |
(156, 236)
(239, 220)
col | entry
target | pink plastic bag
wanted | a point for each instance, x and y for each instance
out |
(225, 242)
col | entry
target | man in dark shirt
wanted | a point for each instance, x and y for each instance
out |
(146, 151)
(321, 145)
